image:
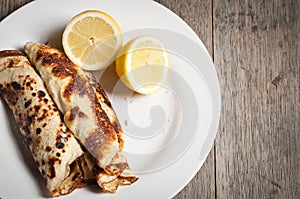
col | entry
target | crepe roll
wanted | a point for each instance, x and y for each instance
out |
(54, 148)
(86, 109)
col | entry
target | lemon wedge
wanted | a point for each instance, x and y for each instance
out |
(143, 64)
(92, 39)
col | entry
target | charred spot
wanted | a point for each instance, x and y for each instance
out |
(61, 138)
(59, 145)
(48, 148)
(43, 172)
(63, 150)
(38, 131)
(46, 100)
(58, 154)
(44, 125)
(29, 120)
(116, 127)
(43, 116)
(26, 130)
(6, 53)
(62, 66)
(11, 64)
(51, 174)
(16, 85)
(104, 123)
(64, 69)
(39, 55)
(101, 91)
(9, 95)
(28, 140)
(37, 163)
(27, 103)
(41, 93)
(43, 162)
(7, 85)
(33, 94)
(37, 108)
(27, 84)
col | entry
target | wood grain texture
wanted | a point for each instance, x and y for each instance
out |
(256, 50)
(8, 6)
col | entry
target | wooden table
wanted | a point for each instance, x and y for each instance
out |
(255, 47)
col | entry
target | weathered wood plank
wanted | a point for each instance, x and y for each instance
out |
(256, 48)
(8, 6)
(197, 14)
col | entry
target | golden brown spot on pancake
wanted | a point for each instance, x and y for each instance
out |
(11, 64)
(37, 108)
(45, 100)
(77, 85)
(38, 139)
(101, 91)
(51, 173)
(27, 103)
(62, 66)
(119, 132)
(74, 112)
(9, 53)
(9, 94)
(48, 148)
(96, 143)
(44, 115)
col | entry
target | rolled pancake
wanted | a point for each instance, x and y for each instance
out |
(87, 111)
(53, 146)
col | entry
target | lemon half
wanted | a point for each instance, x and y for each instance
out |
(142, 64)
(92, 39)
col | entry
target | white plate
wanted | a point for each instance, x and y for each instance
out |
(168, 134)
